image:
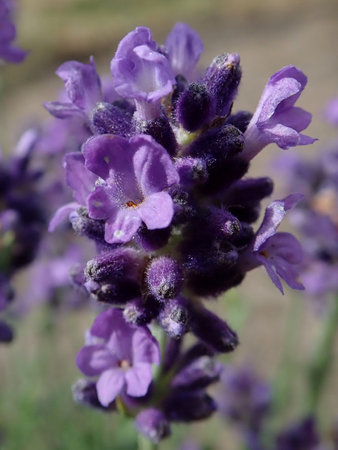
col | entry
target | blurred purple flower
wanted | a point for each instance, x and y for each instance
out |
(331, 111)
(123, 361)
(8, 52)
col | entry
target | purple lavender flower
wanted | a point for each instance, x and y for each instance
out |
(8, 51)
(122, 357)
(276, 118)
(184, 48)
(136, 173)
(280, 253)
(83, 89)
(141, 72)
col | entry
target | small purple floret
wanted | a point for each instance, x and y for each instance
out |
(123, 361)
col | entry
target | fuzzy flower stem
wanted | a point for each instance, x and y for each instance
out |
(322, 359)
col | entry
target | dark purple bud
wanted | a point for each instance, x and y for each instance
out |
(83, 225)
(174, 317)
(212, 330)
(110, 119)
(153, 424)
(248, 191)
(184, 206)
(152, 240)
(223, 223)
(240, 120)
(199, 374)
(194, 107)
(248, 213)
(217, 145)
(161, 130)
(84, 392)
(302, 436)
(140, 311)
(224, 174)
(164, 277)
(6, 333)
(191, 171)
(210, 266)
(119, 264)
(113, 276)
(188, 406)
(180, 86)
(222, 80)
(244, 237)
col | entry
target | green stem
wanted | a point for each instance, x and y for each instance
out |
(287, 367)
(322, 358)
(145, 444)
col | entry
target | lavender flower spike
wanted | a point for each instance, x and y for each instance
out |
(142, 73)
(276, 118)
(136, 173)
(123, 361)
(184, 47)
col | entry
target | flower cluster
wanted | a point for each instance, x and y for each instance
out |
(8, 52)
(160, 186)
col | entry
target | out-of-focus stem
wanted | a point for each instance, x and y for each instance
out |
(143, 443)
(287, 367)
(322, 358)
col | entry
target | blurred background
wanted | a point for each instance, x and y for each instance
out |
(37, 369)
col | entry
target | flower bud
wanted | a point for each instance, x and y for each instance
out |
(194, 107)
(140, 312)
(83, 225)
(199, 374)
(153, 424)
(174, 317)
(222, 79)
(240, 120)
(160, 129)
(212, 330)
(191, 171)
(187, 406)
(164, 277)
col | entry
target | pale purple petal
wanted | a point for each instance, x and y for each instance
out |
(122, 227)
(92, 360)
(274, 214)
(62, 110)
(153, 166)
(145, 347)
(109, 385)
(82, 83)
(100, 204)
(157, 210)
(138, 379)
(61, 214)
(139, 71)
(184, 48)
(78, 177)
(106, 322)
